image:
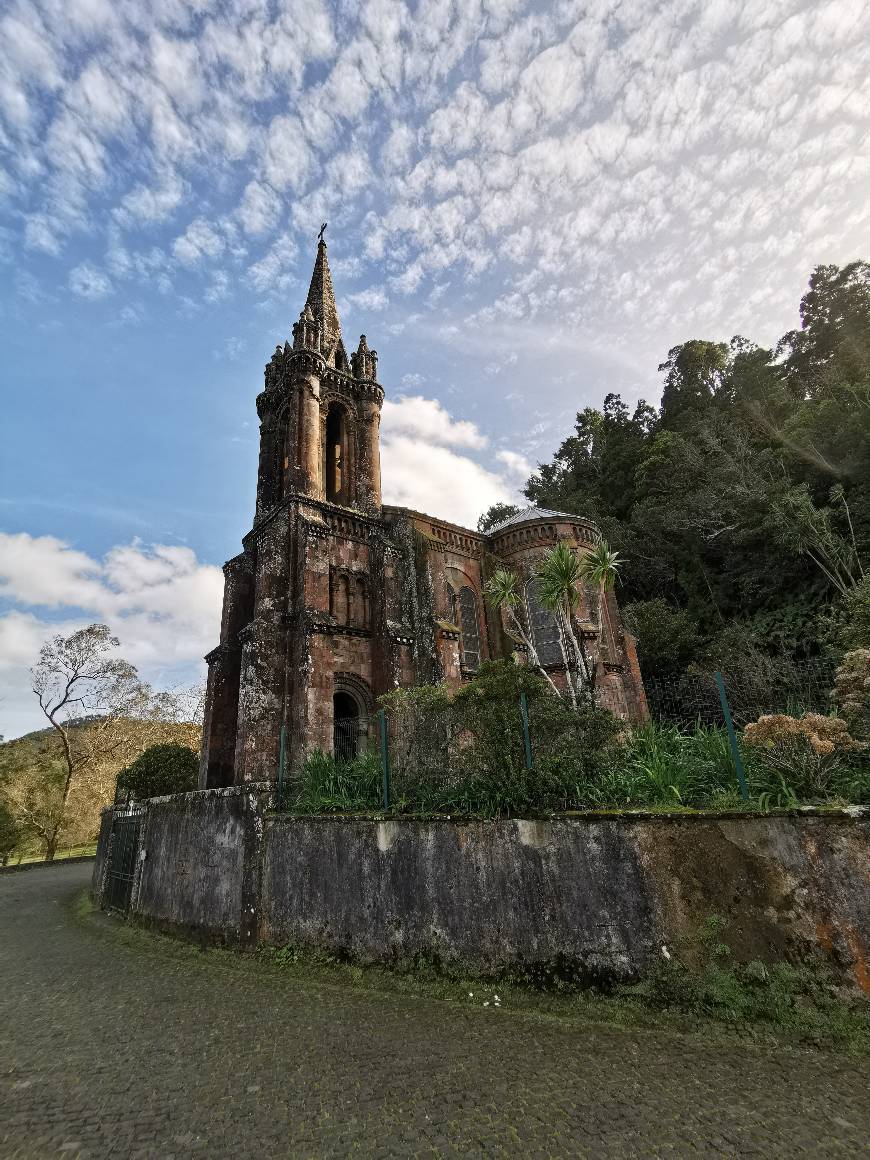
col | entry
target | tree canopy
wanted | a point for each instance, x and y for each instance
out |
(741, 505)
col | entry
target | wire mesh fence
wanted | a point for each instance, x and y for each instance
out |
(693, 698)
(352, 737)
(506, 750)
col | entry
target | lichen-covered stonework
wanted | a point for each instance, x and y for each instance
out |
(601, 894)
(336, 598)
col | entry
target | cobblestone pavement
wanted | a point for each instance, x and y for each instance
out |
(140, 1047)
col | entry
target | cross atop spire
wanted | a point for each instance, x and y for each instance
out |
(321, 298)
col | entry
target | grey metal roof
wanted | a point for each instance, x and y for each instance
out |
(528, 515)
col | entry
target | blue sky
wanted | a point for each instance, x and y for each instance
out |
(528, 206)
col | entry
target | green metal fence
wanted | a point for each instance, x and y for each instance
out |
(429, 758)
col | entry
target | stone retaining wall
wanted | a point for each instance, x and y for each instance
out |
(601, 893)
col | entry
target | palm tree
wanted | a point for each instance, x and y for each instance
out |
(601, 567)
(502, 592)
(559, 582)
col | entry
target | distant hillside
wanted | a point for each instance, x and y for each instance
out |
(32, 771)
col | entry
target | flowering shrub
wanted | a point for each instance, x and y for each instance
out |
(852, 690)
(806, 750)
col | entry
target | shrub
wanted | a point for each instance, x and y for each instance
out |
(852, 691)
(161, 769)
(807, 751)
(854, 627)
(698, 976)
(660, 765)
(465, 753)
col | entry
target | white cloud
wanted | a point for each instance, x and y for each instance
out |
(289, 158)
(374, 298)
(427, 419)
(517, 465)
(219, 288)
(586, 145)
(435, 480)
(40, 233)
(88, 282)
(199, 240)
(260, 209)
(148, 204)
(421, 469)
(161, 602)
(274, 271)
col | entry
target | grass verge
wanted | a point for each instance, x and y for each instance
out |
(765, 1007)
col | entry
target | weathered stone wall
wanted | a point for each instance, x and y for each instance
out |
(604, 894)
(200, 865)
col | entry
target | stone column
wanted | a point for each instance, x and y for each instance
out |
(372, 450)
(309, 436)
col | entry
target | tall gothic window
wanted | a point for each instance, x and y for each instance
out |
(469, 625)
(543, 627)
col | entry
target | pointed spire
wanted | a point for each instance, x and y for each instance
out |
(321, 299)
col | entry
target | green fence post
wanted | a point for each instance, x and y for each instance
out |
(527, 740)
(385, 758)
(732, 736)
(281, 751)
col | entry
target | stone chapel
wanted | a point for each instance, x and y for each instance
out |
(337, 598)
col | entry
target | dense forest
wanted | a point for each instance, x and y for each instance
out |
(741, 505)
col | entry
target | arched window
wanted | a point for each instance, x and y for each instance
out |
(340, 598)
(469, 625)
(543, 627)
(360, 603)
(335, 456)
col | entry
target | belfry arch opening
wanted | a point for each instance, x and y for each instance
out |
(336, 456)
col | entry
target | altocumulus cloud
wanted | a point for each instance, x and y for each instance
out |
(161, 602)
(584, 168)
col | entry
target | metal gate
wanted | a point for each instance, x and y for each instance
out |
(121, 869)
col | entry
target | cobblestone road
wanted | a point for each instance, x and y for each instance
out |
(136, 1047)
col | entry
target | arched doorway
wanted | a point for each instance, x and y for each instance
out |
(345, 726)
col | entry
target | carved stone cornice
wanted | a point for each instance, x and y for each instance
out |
(328, 629)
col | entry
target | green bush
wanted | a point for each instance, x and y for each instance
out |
(465, 753)
(667, 637)
(161, 769)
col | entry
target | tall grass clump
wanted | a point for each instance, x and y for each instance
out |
(324, 785)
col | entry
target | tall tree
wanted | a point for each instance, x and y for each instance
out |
(77, 677)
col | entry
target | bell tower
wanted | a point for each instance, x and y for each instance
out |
(320, 411)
